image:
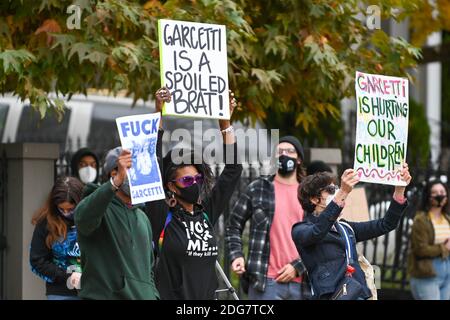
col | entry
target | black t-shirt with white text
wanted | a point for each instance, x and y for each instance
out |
(187, 258)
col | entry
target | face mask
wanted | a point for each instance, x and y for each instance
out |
(67, 215)
(125, 187)
(87, 174)
(286, 165)
(439, 200)
(190, 194)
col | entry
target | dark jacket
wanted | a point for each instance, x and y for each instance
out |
(322, 247)
(76, 159)
(115, 243)
(54, 265)
(186, 264)
(423, 250)
(256, 204)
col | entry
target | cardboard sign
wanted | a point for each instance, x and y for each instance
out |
(356, 208)
(139, 134)
(381, 127)
(194, 67)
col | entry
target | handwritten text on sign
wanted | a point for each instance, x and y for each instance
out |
(139, 134)
(381, 128)
(193, 58)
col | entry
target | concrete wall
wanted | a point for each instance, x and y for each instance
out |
(30, 178)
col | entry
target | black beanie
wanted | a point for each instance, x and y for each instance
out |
(297, 145)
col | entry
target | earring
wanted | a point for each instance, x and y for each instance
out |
(171, 202)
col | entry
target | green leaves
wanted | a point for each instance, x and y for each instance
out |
(14, 61)
(290, 62)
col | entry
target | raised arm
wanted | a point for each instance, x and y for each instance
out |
(305, 234)
(372, 229)
(156, 211)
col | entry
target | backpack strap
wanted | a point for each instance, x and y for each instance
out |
(161, 236)
(348, 244)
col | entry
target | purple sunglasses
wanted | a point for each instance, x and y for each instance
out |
(188, 181)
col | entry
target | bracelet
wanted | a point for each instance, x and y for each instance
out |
(111, 180)
(229, 129)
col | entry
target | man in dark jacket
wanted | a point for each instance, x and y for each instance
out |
(319, 240)
(273, 267)
(115, 238)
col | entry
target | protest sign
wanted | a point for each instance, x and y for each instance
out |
(139, 134)
(382, 127)
(194, 67)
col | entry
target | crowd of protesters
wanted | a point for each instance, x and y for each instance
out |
(90, 242)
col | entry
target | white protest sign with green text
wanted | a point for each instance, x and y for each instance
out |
(381, 127)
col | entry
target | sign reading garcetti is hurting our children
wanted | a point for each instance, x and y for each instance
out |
(382, 127)
(139, 134)
(193, 66)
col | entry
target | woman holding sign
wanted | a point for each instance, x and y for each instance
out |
(183, 231)
(328, 247)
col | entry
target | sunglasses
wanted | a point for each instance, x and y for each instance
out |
(331, 189)
(188, 181)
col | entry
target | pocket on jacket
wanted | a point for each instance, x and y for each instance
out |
(135, 289)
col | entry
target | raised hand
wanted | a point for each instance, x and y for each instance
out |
(348, 180)
(162, 95)
(406, 177)
(123, 164)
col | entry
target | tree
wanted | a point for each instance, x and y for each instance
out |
(290, 61)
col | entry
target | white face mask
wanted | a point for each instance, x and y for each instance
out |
(87, 174)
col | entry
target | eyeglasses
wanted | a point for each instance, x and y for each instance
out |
(188, 181)
(281, 151)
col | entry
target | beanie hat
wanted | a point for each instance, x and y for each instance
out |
(296, 143)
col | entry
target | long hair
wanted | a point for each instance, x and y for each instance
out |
(426, 204)
(65, 189)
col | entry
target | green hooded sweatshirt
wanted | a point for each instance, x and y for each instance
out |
(116, 247)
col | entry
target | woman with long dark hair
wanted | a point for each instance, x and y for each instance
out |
(183, 225)
(54, 252)
(428, 261)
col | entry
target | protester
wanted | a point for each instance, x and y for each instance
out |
(322, 242)
(183, 227)
(54, 252)
(84, 166)
(115, 237)
(428, 261)
(273, 268)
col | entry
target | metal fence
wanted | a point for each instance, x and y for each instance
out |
(388, 252)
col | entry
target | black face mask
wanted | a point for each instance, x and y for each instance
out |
(286, 165)
(190, 194)
(439, 200)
